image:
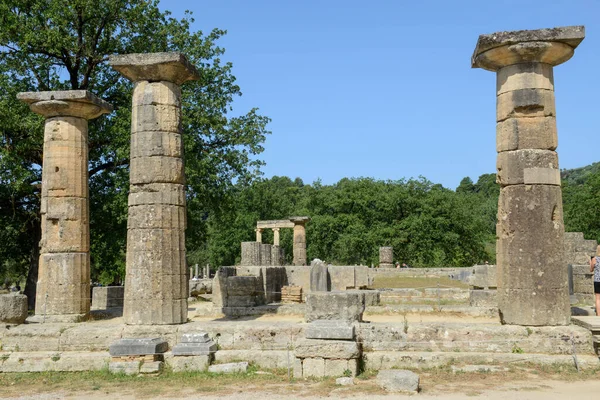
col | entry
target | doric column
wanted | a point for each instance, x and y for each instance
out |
(531, 269)
(155, 284)
(299, 245)
(63, 287)
(258, 235)
(276, 236)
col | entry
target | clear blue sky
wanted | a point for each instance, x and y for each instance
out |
(384, 89)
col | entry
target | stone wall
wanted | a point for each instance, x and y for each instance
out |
(578, 251)
(105, 297)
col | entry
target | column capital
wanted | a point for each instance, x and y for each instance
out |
(299, 220)
(66, 103)
(550, 46)
(171, 67)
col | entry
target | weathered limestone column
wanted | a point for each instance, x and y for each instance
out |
(63, 287)
(299, 245)
(258, 235)
(156, 289)
(531, 268)
(276, 236)
(386, 257)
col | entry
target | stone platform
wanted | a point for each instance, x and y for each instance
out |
(270, 341)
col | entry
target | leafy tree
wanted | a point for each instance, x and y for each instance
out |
(64, 44)
(465, 186)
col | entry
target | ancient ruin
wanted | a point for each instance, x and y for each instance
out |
(532, 275)
(297, 224)
(63, 286)
(156, 281)
(386, 257)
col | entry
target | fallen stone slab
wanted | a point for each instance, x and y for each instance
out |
(231, 368)
(136, 347)
(189, 363)
(479, 368)
(328, 329)
(13, 308)
(345, 381)
(194, 349)
(398, 381)
(200, 337)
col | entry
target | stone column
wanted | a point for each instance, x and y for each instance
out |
(386, 257)
(299, 245)
(531, 268)
(155, 287)
(276, 236)
(258, 235)
(63, 287)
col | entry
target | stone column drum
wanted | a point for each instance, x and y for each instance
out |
(258, 235)
(156, 287)
(299, 245)
(276, 236)
(63, 287)
(386, 257)
(531, 267)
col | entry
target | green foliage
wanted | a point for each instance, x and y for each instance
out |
(64, 44)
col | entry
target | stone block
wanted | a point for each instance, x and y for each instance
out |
(483, 298)
(528, 167)
(525, 103)
(386, 255)
(250, 253)
(169, 66)
(64, 236)
(313, 368)
(330, 349)
(483, 276)
(200, 337)
(190, 363)
(152, 367)
(163, 93)
(158, 169)
(156, 143)
(535, 307)
(265, 254)
(13, 308)
(524, 76)
(141, 346)
(156, 216)
(159, 117)
(157, 193)
(329, 329)
(348, 306)
(104, 297)
(345, 381)
(336, 368)
(319, 276)
(146, 311)
(194, 349)
(231, 368)
(200, 286)
(398, 381)
(526, 133)
(244, 286)
(124, 367)
(372, 297)
(297, 369)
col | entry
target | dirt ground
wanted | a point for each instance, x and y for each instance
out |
(523, 383)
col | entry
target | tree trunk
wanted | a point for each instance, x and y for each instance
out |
(34, 262)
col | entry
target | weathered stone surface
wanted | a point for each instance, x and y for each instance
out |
(483, 298)
(330, 349)
(525, 103)
(68, 361)
(170, 67)
(347, 306)
(250, 253)
(386, 257)
(330, 329)
(124, 367)
(345, 381)
(13, 308)
(299, 247)
(231, 368)
(531, 166)
(199, 337)
(335, 368)
(139, 346)
(156, 143)
(156, 93)
(162, 118)
(530, 217)
(483, 276)
(189, 363)
(152, 367)
(158, 169)
(313, 367)
(104, 297)
(200, 286)
(72, 103)
(157, 193)
(156, 216)
(194, 349)
(265, 254)
(526, 133)
(525, 76)
(394, 380)
(319, 276)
